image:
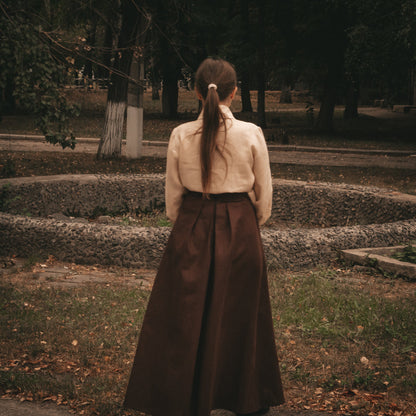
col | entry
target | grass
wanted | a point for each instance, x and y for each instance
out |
(342, 330)
(335, 316)
(75, 343)
(339, 333)
(407, 254)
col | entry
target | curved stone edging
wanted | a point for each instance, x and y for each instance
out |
(81, 195)
(303, 248)
(315, 204)
(143, 247)
(310, 203)
(82, 243)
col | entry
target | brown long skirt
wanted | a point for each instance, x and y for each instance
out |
(207, 338)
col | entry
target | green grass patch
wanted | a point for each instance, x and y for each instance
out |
(75, 343)
(318, 305)
(154, 218)
(407, 254)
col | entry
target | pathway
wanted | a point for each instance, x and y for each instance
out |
(296, 155)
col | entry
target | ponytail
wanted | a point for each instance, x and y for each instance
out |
(215, 81)
(210, 127)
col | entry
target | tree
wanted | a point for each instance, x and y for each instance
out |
(341, 46)
(381, 49)
(320, 28)
(134, 128)
(260, 64)
(240, 48)
(110, 143)
(33, 71)
(170, 24)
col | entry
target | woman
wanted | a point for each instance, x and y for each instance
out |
(207, 337)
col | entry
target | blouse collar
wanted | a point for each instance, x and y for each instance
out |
(225, 110)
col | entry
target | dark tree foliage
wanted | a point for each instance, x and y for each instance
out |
(341, 50)
(32, 72)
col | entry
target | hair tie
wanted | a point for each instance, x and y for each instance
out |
(212, 86)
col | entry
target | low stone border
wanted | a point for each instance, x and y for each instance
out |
(380, 257)
(298, 202)
(81, 195)
(142, 247)
(381, 218)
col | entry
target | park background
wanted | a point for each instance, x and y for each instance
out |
(315, 75)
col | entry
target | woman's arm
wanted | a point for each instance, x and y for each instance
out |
(174, 189)
(263, 187)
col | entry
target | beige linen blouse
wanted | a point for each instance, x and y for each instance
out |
(246, 166)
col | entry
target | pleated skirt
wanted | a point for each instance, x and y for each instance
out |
(207, 337)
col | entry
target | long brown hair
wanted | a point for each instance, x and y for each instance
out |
(222, 74)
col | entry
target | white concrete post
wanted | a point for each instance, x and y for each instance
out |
(134, 133)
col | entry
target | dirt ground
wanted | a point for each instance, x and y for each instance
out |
(285, 155)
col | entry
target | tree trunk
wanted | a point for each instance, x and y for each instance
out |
(7, 99)
(351, 103)
(103, 72)
(110, 143)
(134, 131)
(170, 94)
(333, 81)
(261, 78)
(412, 85)
(245, 72)
(245, 93)
(91, 40)
(334, 59)
(261, 100)
(155, 90)
(286, 95)
(326, 111)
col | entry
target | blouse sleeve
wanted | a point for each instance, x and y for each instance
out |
(174, 189)
(262, 179)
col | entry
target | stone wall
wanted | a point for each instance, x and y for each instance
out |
(81, 195)
(314, 204)
(388, 218)
(330, 205)
(83, 243)
(142, 247)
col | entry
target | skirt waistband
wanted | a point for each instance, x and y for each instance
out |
(225, 197)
